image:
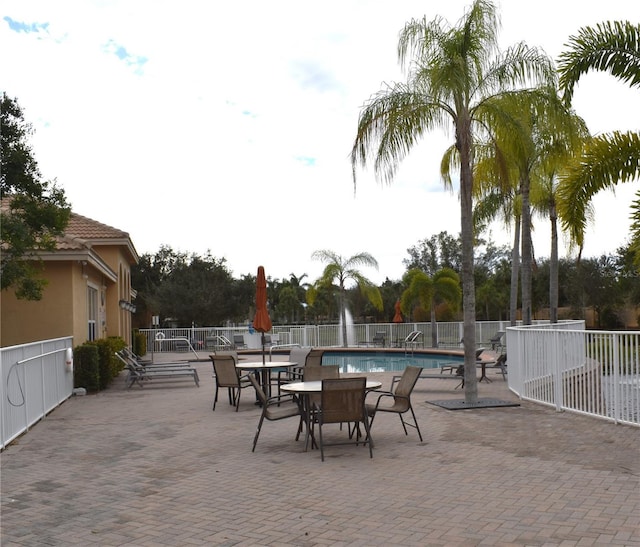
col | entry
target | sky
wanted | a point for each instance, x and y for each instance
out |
(226, 127)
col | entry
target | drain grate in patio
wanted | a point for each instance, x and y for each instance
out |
(460, 404)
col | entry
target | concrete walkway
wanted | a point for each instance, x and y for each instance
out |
(155, 466)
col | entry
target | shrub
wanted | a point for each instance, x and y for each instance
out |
(86, 370)
(109, 365)
(139, 343)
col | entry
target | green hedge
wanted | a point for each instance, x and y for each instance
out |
(86, 367)
(96, 367)
(139, 343)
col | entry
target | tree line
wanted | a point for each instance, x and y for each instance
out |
(186, 289)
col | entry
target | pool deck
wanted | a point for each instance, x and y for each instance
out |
(155, 466)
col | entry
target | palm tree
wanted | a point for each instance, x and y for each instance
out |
(342, 270)
(453, 79)
(443, 287)
(607, 159)
(534, 136)
(500, 200)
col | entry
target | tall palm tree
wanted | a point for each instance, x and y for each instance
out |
(608, 159)
(535, 135)
(454, 75)
(500, 200)
(341, 270)
(443, 287)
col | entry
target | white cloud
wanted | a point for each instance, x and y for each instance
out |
(228, 126)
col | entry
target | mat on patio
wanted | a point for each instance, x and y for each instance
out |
(461, 404)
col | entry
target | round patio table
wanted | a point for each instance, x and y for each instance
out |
(265, 370)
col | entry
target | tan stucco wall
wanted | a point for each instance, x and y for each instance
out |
(118, 320)
(52, 317)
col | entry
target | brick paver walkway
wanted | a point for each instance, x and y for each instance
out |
(156, 466)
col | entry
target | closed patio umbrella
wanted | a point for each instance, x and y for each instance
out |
(397, 318)
(262, 321)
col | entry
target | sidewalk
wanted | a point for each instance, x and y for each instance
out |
(155, 466)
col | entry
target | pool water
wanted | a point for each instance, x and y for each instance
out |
(386, 362)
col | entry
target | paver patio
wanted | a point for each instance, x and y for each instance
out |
(156, 466)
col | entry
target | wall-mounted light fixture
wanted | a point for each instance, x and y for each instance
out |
(128, 306)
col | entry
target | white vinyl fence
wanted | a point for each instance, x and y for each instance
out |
(590, 372)
(35, 379)
(448, 335)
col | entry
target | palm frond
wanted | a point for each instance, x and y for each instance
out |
(607, 160)
(389, 125)
(612, 46)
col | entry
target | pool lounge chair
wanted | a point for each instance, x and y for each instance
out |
(140, 375)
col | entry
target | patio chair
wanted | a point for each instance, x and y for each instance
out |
(227, 375)
(275, 408)
(342, 400)
(496, 341)
(238, 341)
(501, 363)
(298, 355)
(379, 339)
(315, 373)
(314, 358)
(401, 399)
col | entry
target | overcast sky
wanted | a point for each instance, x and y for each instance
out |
(227, 126)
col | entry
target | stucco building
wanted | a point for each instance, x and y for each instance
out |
(89, 293)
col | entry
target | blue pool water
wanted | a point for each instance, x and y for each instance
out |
(377, 361)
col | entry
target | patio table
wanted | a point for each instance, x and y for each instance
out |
(265, 370)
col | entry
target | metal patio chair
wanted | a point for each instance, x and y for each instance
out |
(275, 408)
(227, 375)
(342, 400)
(401, 399)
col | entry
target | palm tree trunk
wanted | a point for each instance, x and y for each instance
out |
(434, 326)
(463, 142)
(553, 266)
(527, 253)
(515, 273)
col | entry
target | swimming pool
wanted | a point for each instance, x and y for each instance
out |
(380, 361)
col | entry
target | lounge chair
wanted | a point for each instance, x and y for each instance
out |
(275, 408)
(342, 400)
(401, 399)
(127, 356)
(139, 374)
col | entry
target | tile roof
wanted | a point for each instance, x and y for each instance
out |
(82, 232)
(89, 229)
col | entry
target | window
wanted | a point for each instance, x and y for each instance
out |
(92, 311)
